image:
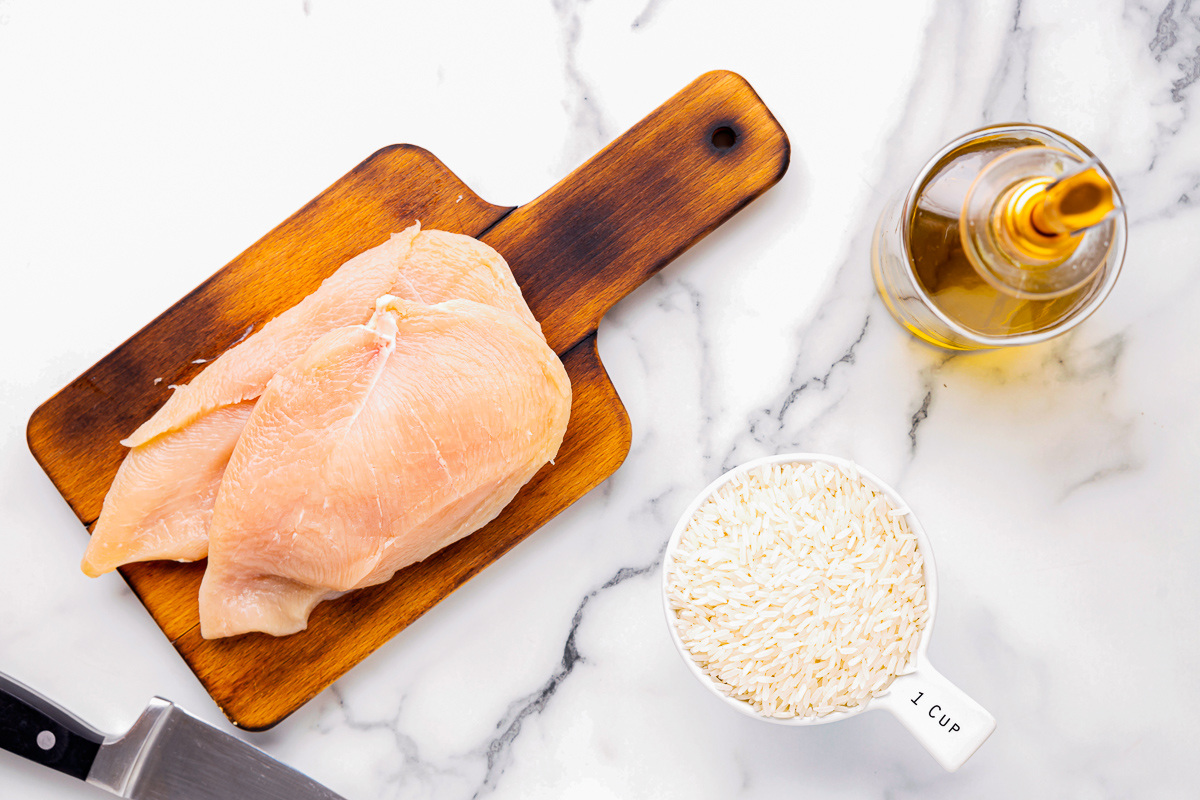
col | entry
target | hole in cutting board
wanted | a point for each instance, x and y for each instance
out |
(724, 138)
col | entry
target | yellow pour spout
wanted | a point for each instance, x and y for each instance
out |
(1074, 203)
(1038, 216)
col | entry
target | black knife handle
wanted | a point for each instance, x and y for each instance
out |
(35, 728)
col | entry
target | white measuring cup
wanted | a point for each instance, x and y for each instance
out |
(949, 724)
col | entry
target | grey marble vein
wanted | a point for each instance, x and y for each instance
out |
(498, 751)
(410, 767)
(1006, 99)
(1166, 32)
(694, 306)
(918, 417)
(647, 14)
(588, 130)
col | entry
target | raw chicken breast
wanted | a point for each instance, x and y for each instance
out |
(344, 298)
(149, 513)
(164, 492)
(445, 266)
(382, 444)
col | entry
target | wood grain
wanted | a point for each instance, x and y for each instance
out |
(576, 250)
(637, 204)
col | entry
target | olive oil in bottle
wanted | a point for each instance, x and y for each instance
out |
(1010, 235)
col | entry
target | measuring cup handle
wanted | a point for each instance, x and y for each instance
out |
(949, 724)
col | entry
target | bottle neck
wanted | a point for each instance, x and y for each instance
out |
(1034, 223)
(1019, 236)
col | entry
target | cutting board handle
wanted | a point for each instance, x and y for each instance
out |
(637, 204)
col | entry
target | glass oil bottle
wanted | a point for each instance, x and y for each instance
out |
(1010, 235)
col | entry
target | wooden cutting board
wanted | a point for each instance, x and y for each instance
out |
(576, 250)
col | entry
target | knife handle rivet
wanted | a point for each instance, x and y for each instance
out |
(45, 740)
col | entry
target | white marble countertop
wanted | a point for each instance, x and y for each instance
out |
(143, 145)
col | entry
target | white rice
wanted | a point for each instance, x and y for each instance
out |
(799, 589)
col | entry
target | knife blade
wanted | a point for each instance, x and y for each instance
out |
(167, 755)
